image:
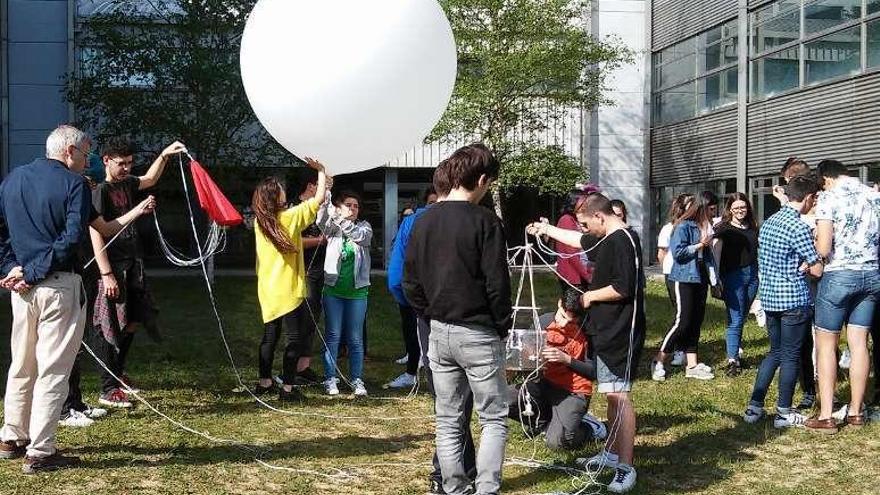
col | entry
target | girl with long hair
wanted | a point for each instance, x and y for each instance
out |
(664, 257)
(691, 262)
(281, 277)
(573, 269)
(736, 249)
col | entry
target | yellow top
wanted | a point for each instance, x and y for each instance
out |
(281, 277)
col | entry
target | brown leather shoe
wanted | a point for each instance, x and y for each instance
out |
(54, 462)
(11, 450)
(826, 426)
(856, 421)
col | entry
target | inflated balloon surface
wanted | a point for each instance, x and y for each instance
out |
(352, 83)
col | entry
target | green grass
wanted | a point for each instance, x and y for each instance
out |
(690, 440)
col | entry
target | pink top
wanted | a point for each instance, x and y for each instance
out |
(572, 269)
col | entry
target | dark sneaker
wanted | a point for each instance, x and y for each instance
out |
(307, 377)
(261, 390)
(54, 462)
(293, 396)
(126, 380)
(806, 403)
(733, 369)
(11, 450)
(115, 398)
(435, 486)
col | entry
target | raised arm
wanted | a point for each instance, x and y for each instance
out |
(567, 237)
(154, 173)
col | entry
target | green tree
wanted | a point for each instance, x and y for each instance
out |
(522, 65)
(160, 70)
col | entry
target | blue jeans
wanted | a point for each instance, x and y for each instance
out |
(344, 318)
(847, 296)
(740, 288)
(469, 360)
(787, 330)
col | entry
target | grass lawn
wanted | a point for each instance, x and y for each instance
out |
(690, 435)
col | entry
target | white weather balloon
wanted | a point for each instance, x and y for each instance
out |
(352, 83)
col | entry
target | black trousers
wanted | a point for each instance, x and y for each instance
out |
(557, 412)
(115, 359)
(74, 398)
(410, 339)
(296, 327)
(690, 309)
(423, 327)
(312, 312)
(875, 339)
(808, 370)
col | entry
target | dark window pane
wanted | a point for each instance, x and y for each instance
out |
(874, 43)
(717, 90)
(675, 104)
(835, 55)
(873, 6)
(775, 73)
(820, 15)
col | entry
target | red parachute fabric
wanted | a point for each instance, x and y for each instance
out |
(212, 199)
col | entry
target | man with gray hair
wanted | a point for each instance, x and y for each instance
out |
(45, 210)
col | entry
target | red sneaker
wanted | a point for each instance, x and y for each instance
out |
(115, 398)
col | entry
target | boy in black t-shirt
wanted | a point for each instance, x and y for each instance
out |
(123, 297)
(615, 304)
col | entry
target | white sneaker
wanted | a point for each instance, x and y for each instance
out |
(658, 372)
(761, 317)
(739, 354)
(753, 414)
(330, 386)
(678, 358)
(600, 461)
(359, 389)
(624, 479)
(278, 381)
(790, 420)
(600, 432)
(405, 380)
(402, 360)
(94, 412)
(845, 360)
(76, 419)
(699, 372)
(840, 414)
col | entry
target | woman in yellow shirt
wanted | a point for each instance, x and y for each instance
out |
(281, 285)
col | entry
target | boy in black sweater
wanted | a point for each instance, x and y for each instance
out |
(456, 275)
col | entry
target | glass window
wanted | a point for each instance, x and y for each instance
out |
(821, 15)
(874, 43)
(675, 104)
(775, 25)
(873, 6)
(775, 73)
(718, 47)
(675, 64)
(717, 90)
(835, 55)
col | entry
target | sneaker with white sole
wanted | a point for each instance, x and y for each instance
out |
(359, 389)
(658, 372)
(753, 414)
(600, 431)
(874, 415)
(331, 386)
(405, 380)
(790, 420)
(75, 419)
(624, 479)
(94, 412)
(699, 372)
(402, 360)
(841, 414)
(678, 358)
(600, 461)
(115, 398)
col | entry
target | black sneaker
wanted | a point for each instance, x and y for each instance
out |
(435, 486)
(54, 462)
(293, 396)
(733, 369)
(307, 378)
(806, 403)
(261, 390)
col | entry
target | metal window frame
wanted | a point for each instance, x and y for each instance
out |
(4, 88)
(697, 74)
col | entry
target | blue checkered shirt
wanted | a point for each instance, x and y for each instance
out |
(785, 243)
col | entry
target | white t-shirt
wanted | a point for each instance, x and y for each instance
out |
(663, 243)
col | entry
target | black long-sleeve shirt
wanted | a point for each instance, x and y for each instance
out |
(456, 267)
(44, 213)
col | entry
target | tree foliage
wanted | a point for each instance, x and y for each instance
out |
(164, 69)
(522, 65)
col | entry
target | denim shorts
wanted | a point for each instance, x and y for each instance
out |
(610, 383)
(847, 296)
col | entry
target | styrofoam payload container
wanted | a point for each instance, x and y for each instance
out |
(524, 346)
